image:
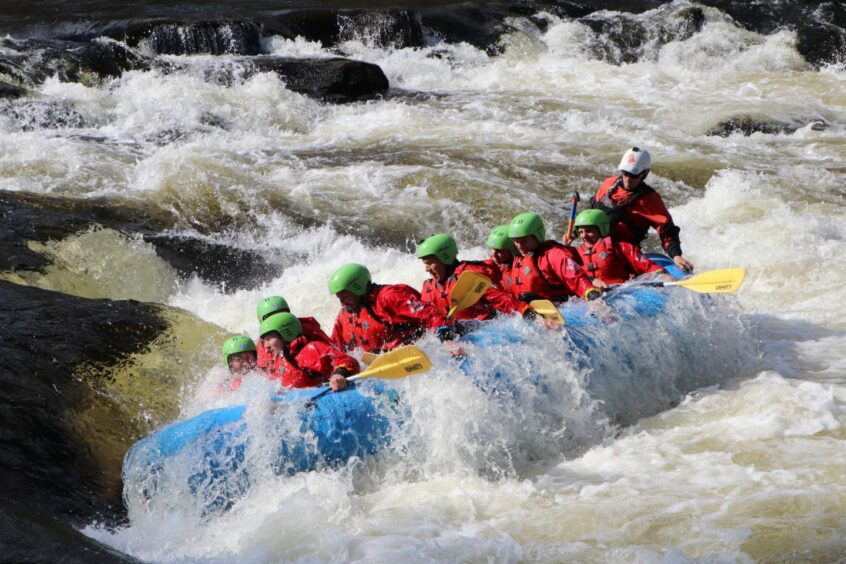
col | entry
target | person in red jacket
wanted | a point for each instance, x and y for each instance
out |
(377, 318)
(300, 362)
(502, 256)
(633, 206)
(608, 261)
(439, 255)
(545, 269)
(272, 305)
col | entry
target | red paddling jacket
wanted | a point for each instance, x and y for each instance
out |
(390, 316)
(305, 364)
(492, 301)
(311, 329)
(501, 273)
(551, 272)
(614, 262)
(633, 213)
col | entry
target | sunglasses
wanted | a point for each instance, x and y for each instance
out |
(629, 174)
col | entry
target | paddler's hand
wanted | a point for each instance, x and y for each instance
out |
(445, 333)
(599, 283)
(454, 350)
(337, 382)
(551, 324)
(683, 263)
(593, 294)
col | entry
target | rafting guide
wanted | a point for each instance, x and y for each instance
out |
(633, 206)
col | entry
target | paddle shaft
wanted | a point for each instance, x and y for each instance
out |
(568, 235)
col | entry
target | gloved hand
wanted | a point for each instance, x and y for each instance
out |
(445, 333)
(593, 294)
(530, 314)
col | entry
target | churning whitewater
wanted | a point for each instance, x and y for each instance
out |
(713, 431)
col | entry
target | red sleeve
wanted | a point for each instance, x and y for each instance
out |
(325, 359)
(403, 303)
(496, 273)
(504, 302)
(651, 207)
(563, 264)
(312, 330)
(337, 333)
(638, 261)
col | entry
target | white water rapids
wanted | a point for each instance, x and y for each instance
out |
(752, 467)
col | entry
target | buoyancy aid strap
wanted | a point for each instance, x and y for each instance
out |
(610, 249)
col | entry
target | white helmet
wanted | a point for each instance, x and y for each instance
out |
(635, 161)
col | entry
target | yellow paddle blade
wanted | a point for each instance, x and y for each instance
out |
(722, 281)
(467, 291)
(548, 310)
(399, 363)
(367, 358)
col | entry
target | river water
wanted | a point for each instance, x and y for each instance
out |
(749, 466)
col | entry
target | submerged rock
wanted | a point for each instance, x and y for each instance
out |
(384, 28)
(748, 125)
(40, 114)
(8, 90)
(214, 38)
(32, 61)
(623, 39)
(29, 218)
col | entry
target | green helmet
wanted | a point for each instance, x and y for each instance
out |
(499, 239)
(353, 277)
(526, 224)
(441, 245)
(286, 324)
(595, 218)
(270, 305)
(236, 344)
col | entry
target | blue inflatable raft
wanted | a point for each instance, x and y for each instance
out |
(313, 430)
(317, 430)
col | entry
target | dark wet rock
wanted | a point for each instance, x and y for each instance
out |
(8, 90)
(29, 534)
(109, 59)
(819, 125)
(822, 44)
(820, 26)
(27, 217)
(396, 28)
(334, 80)
(32, 61)
(748, 125)
(214, 38)
(51, 482)
(623, 39)
(40, 114)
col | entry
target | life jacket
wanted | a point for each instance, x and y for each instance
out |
(303, 363)
(502, 273)
(437, 294)
(603, 261)
(616, 209)
(367, 330)
(528, 279)
(311, 329)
